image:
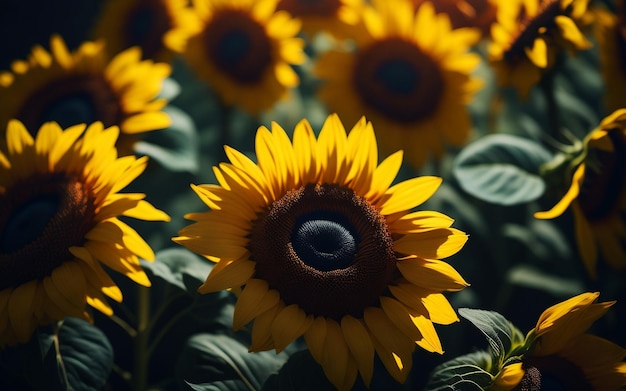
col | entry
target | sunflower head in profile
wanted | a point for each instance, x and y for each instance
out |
(410, 74)
(528, 36)
(327, 248)
(597, 195)
(244, 50)
(560, 355)
(331, 16)
(59, 223)
(84, 86)
(466, 13)
(610, 32)
(144, 23)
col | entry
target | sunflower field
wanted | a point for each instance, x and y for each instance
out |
(261, 195)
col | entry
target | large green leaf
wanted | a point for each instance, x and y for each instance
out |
(301, 372)
(222, 362)
(465, 373)
(502, 336)
(176, 147)
(502, 169)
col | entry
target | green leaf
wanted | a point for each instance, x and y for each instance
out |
(502, 336)
(502, 169)
(300, 372)
(222, 362)
(466, 372)
(84, 357)
(532, 277)
(176, 148)
(179, 267)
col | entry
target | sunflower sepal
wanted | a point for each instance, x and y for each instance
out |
(502, 169)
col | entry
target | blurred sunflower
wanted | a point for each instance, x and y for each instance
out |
(527, 36)
(597, 195)
(84, 87)
(144, 23)
(610, 32)
(410, 75)
(59, 209)
(245, 50)
(466, 13)
(562, 356)
(328, 249)
(331, 16)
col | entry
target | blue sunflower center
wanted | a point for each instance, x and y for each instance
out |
(40, 219)
(325, 242)
(238, 46)
(28, 222)
(325, 249)
(72, 100)
(552, 373)
(397, 79)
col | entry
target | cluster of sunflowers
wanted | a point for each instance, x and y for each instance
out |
(310, 263)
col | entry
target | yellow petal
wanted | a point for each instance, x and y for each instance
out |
(336, 354)
(227, 275)
(509, 377)
(314, 337)
(431, 274)
(360, 344)
(432, 244)
(409, 194)
(255, 299)
(564, 203)
(570, 32)
(538, 54)
(290, 323)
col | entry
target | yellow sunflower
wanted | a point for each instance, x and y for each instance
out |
(597, 195)
(245, 50)
(610, 32)
(561, 355)
(466, 13)
(84, 86)
(527, 36)
(327, 248)
(59, 209)
(410, 75)
(144, 23)
(331, 16)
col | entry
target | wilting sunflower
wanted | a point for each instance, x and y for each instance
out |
(562, 356)
(597, 195)
(410, 75)
(331, 16)
(144, 23)
(610, 32)
(327, 248)
(245, 50)
(466, 13)
(84, 86)
(59, 221)
(527, 36)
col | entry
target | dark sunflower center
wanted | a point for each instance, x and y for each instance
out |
(529, 28)
(324, 241)
(238, 45)
(72, 100)
(466, 13)
(40, 218)
(552, 373)
(398, 80)
(305, 8)
(145, 26)
(605, 176)
(324, 248)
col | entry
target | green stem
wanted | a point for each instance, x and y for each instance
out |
(140, 342)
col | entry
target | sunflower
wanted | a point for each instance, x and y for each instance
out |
(83, 87)
(466, 13)
(59, 221)
(245, 50)
(144, 23)
(597, 195)
(560, 354)
(328, 249)
(610, 32)
(527, 36)
(331, 16)
(410, 75)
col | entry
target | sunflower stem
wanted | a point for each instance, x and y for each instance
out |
(140, 342)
